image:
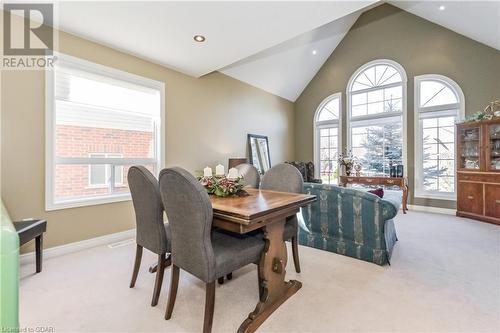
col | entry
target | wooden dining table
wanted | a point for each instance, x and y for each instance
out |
(266, 210)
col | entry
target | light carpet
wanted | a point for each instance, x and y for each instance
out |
(444, 277)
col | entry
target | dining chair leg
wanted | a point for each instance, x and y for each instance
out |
(174, 283)
(295, 252)
(229, 276)
(137, 265)
(220, 280)
(209, 307)
(159, 279)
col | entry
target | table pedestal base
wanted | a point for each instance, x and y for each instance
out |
(274, 291)
(264, 309)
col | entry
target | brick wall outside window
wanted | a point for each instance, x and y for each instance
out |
(75, 141)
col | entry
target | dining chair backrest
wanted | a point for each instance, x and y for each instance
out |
(284, 178)
(189, 213)
(250, 174)
(148, 209)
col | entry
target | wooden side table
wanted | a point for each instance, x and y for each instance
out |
(402, 182)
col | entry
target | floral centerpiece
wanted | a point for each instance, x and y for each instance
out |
(220, 184)
(347, 160)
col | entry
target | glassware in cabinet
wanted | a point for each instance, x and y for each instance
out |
(470, 148)
(494, 147)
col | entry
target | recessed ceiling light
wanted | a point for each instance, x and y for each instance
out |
(199, 38)
(442, 7)
(314, 52)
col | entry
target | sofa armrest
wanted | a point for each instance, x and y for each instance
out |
(389, 209)
(391, 204)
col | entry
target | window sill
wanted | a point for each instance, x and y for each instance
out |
(435, 196)
(75, 203)
(94, 187)
(100, 186)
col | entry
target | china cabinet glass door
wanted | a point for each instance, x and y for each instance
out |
(493, 153)
(469, 148)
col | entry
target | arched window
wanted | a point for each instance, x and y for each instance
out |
(327, 136)
(376, 116)
(439, 103)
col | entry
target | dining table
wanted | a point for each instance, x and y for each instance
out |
(268, 211)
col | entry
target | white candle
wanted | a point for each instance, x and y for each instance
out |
(219, 170)
(207, 172)
(233, 173)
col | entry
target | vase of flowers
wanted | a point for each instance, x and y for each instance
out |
(346, 160)
(223, 186)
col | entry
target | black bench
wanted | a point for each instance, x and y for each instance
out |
(32, 229)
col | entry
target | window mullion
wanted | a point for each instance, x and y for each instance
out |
(439, 108)
(112, 178)
(390, 85)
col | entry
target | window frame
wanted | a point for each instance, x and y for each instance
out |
(379, 116)
(50, 134)
(446, 110)
(319, 125)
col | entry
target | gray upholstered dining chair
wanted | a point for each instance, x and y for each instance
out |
(196, 248)
(286, 178)
(152, 233)
(251, 176)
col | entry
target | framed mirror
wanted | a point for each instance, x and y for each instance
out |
(258, 148)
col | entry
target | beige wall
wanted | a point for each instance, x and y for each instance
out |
(207, 121)
(421, 47)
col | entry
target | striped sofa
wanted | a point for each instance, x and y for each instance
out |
(350, 222)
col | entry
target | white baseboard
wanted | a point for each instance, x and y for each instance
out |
(78, 246)
(435, 210)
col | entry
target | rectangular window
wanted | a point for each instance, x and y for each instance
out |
(377, 101)
(377, 143)
(438, 154)
(435, 152)
(100, 121)
(328, 148)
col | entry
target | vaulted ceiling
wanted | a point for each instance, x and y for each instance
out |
(478, 20)
(276, 46)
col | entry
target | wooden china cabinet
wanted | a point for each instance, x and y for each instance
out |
(478, 168)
